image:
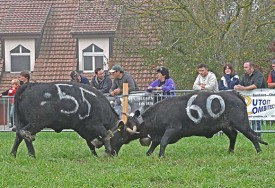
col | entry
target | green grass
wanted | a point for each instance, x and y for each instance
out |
(64, 160)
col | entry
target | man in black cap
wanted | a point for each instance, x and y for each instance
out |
(271, 76)
(121, 77)
(76, 77)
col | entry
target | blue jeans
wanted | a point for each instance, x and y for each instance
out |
(11, 114)
(257, 126)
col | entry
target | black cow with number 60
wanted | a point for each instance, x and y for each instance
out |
(195, 114)
(64, 105)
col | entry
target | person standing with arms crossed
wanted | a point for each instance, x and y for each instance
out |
(253, 79)
(206, 80)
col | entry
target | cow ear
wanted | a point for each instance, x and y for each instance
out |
(120, 125)
(137, 113)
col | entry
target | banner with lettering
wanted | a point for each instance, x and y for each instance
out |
(260, 104)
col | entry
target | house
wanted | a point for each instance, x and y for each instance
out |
(51, 38)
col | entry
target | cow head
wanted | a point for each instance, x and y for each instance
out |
(132, 130)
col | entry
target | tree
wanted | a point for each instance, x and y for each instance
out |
(214, 32)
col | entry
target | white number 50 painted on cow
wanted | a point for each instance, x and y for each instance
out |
(208, 107)
(63, 95)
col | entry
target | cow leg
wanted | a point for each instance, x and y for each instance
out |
(28, 132)
(169, 133)
(152, 148)
(232, 135)
(92, 148)
(30, 148)
(17, 142)
(106, 136)
(251, 135)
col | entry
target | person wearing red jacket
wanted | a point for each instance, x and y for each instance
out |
(11, 92)
(271, 76)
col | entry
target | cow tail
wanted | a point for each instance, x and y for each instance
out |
(17, 99)
(241, 97)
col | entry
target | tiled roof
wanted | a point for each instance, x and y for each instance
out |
(128, 40)
(96, 17)
(24, 17)
(57, 55)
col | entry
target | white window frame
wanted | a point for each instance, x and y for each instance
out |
(10, 44)
(102, 43)
(21, 54)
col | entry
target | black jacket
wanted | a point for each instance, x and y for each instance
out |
(104, 85)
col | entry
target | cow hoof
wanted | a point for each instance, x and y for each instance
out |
(13, 154)
(97, 143)
(148, 153)
(114, 154)
(94, 153)
(231, 150)
(161, 156)
(258, 150)
(109, 153)
(32, 155)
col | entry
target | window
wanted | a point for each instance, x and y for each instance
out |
(20, 59)
(93, 57)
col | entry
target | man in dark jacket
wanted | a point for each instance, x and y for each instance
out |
(253, 79)
(121, 77)
(101, 81)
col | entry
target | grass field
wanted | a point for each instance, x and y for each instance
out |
(64, 160)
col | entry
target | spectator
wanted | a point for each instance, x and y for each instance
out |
(101, 81)
(229, 79)
(121, 77)
(164, 83)
(24, 77)
(206, 80)
(271, 76)
(15, 83)
(252, 79)
(76, 77)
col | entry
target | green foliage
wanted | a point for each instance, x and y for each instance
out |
(213, 32)
(63, 160)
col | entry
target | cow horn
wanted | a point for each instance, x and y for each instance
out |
(119, 122)
(132, 131)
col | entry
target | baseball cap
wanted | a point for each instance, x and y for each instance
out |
(74, 74)
(116, 68)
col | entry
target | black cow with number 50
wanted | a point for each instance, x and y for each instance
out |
(195, 114)
(64, 105)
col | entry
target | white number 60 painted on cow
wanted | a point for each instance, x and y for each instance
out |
(208, 107)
